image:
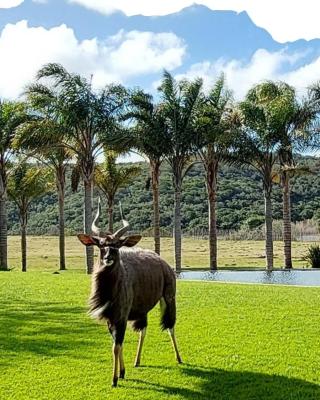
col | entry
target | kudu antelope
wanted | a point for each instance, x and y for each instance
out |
(126, 285)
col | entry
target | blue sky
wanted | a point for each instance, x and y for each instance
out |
(250, 40)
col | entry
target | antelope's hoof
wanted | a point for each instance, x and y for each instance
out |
(179, 361)
(122, 374)
(137, 364)
(115, 382)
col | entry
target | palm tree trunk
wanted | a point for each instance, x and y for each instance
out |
(23, 218)
(211, 183)
(177, 221)
(268, 219)
(155, 174)
(88, 221)
(110, 215)
(61, 226)
(286, 220)
(3, 228)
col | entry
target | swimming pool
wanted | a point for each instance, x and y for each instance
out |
(284, 277)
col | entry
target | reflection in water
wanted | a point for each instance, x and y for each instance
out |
(285, 277)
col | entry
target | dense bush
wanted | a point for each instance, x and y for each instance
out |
(313, 256)
(239, 204)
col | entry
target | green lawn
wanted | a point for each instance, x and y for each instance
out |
(43, 253)
(239, 342)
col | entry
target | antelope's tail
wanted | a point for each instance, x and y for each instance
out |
(168, 313)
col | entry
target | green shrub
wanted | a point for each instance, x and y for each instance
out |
(253, 222)
(313, 256)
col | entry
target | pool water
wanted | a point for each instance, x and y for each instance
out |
(285, 277)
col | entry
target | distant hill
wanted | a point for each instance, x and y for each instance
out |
(240, 199)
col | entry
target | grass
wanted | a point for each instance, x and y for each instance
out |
(43, 253)
(241, 342)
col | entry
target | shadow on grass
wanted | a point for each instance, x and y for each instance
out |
(218, 384)
(43, 329)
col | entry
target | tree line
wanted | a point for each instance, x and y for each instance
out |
(239, 202)
(63, 121)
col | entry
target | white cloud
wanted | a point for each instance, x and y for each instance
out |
(23, 50)
(263, 65)
(141, 52)
(286, 21)
(10, 3)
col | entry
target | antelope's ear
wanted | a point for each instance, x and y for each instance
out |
(131, 241)
(88, 240)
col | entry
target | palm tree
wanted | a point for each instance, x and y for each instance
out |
(56, 158)
(295, 133)
(25, 184)
(12, 114)
(259, 143)
(86, 121)
(150, 139)
(288, 170)
(179, 104)
(290, 119)
(110, 178)
(287, 167)
(214, 124)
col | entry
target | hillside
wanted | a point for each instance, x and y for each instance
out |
(240, 199)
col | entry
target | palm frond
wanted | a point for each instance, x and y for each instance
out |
(53, 70)
(111, 177)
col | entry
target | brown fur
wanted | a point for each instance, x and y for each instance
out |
(127, 283)
(132, 287)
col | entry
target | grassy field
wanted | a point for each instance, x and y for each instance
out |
(238, 342)
(43, 253)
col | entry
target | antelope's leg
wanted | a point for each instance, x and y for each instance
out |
(174, 344)
(116, 352)
(117, 332)
(122, 368)
(141, 339)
